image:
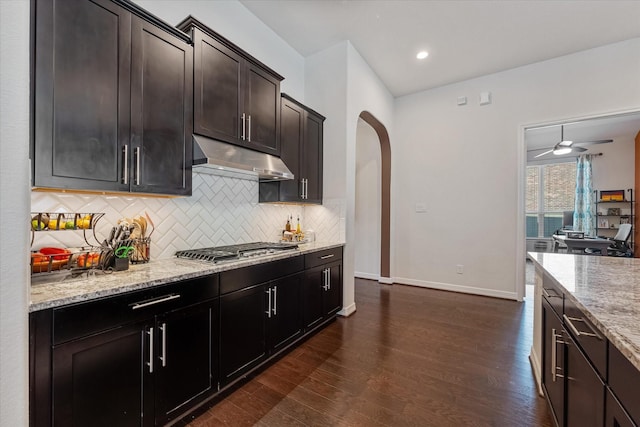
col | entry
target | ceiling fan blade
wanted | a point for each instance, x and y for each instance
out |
(600, 141)
(578, 149)
(543, 154)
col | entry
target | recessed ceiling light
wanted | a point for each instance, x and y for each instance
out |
(422, 54)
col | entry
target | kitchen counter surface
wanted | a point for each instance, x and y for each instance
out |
(606, 289)
(54, 292)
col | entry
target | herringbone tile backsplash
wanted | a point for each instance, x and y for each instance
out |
(221, 211)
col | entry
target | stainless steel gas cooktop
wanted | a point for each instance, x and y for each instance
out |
(231, 252)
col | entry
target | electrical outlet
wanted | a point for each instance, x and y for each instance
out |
(459, 268)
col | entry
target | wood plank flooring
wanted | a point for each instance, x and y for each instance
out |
(408, 357)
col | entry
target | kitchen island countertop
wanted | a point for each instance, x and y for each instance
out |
(606, 289)
(54, 292)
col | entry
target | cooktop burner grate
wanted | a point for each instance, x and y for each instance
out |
(220, 253)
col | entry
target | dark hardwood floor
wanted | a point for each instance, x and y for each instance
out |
(408, 357)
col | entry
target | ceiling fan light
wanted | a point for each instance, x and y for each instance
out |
(562, 150)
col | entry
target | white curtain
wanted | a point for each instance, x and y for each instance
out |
(583, 216)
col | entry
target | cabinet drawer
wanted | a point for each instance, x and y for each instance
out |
(553, 294)
(592, 341)
(322, 257)
(234, 280)
(624, 381)
(78, 320)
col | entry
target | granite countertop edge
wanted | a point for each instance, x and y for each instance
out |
(56, 293)
(614, 333)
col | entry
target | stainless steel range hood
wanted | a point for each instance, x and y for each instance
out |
(219, 158)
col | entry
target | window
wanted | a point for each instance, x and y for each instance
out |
(550, 191)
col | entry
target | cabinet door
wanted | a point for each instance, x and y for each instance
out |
(616, 416)
(262, 109)
(333, 292)
(104, 380)
(291, 124)
(82, 93)
(285, 322)
(312, 158)
(585, 389)
(553, 362)
(161, 106)
(185, 351)
(217, 89)
(242, 331)
(313, 294)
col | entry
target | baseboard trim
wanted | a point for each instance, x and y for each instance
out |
(368, 276)
(457, 288)
(348, 310)
(386, 280)
(535, 367)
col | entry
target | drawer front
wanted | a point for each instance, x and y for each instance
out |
(234, 280)
(592, 341)
(553, 294)
(315, 259)
(78, 320)
(624, 381)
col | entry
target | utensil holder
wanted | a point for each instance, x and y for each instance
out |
(141, 250)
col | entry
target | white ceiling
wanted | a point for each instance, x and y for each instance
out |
(465, 39)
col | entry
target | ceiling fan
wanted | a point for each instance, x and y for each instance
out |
(566, 147)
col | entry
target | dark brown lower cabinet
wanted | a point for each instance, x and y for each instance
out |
(101, 379)
(322, 297)
(585, 389)
(553, 362)
(140, 374)
(257, 322)
(616, 415)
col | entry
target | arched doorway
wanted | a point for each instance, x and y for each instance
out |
(384, 196)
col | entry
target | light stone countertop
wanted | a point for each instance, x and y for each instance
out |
(55, 292)
(606, 289)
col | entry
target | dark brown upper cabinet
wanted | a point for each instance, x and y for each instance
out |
(236, 97)
(112, 100)
(301, 143)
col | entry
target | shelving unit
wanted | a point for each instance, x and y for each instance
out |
(83, 258)
(611, 213)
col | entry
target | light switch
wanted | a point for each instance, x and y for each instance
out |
(421, 207)
(485, 98)
(462, 100)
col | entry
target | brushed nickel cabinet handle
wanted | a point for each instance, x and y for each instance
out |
(163, 357)
(268, 312)
(150, 362)
(147, 303)
(125, 165)
(554, 355)
(243, 126)
(275, 300)
(569, 321)
(327, 256)
(302, 188)
(137, 165)
(249, 127)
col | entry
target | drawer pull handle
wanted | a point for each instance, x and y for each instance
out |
(163, 328)
(327, 256)
(546, 293)
(554, 355)
(569, 321)
(154, 301)
(150, 362)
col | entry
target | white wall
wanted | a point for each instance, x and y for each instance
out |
(467, 164)
(234, 22)
(615, 169)
(368, 202)
(339, 82)
(14, 208)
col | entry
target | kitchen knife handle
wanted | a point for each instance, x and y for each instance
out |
(243, 126)
(125, 165)
(150, 362)
(249, 127)
(268, 312)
